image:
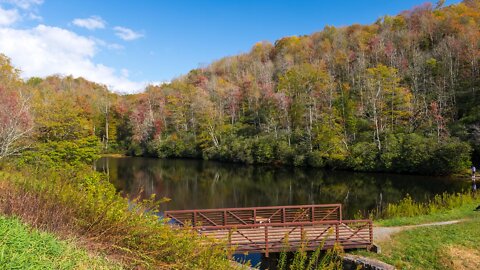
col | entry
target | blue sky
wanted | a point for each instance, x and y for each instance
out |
(127, 44)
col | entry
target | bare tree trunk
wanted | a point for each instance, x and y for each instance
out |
(375, 119)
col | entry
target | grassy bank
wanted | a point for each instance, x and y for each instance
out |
(22, 247)
(457, 213)
(78, 203)
(453, 246)
(442, 207)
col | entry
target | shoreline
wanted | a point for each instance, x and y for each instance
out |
(463, 176)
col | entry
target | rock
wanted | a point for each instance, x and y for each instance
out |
(351, 262)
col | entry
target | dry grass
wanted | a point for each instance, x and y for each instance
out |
(462, 258)
(34, 209)
(82, 206)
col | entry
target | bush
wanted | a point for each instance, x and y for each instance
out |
(135, 149)
(80, 203)
(316, 159)
(57, 153)
(263, 150)
(363, 157)
(415, 153)
(411, 153)
(451, 157)
(174, 146)
(284, 152)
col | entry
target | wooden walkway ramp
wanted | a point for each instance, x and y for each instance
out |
(277, 228)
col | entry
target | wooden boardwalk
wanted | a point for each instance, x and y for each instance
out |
(278, 228)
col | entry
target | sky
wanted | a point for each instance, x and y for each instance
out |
(129, 44)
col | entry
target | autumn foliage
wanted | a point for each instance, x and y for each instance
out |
(355, 97)
(15, 122)
(361, 97)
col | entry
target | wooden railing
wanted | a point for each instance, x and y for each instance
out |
(266, 238)
(280, 228)
(251, 215)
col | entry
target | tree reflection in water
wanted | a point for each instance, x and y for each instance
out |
(196, 184)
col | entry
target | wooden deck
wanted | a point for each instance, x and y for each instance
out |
(274, 229)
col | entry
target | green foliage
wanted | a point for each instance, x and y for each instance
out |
(407, 207)
(364, 157)
(60, 120)
(173, 146)
(316, 159)
(316, 260)
(392, 96)
(79, 202)
(57, 153)
(409, 153)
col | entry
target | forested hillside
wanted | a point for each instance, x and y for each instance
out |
(399, 95)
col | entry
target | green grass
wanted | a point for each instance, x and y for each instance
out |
(462, 212)
(429, 247)
(453, 246)
(24, 248)
(442, 207)
(79, 203)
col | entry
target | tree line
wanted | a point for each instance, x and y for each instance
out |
(399, 95)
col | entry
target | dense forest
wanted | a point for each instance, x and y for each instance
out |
(399, 95)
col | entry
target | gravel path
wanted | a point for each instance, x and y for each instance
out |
(384, 233)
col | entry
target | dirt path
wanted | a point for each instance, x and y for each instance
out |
(384, 233)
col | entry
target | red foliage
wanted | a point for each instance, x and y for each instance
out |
(12, 111)
(15, 122)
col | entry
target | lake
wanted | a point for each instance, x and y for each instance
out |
(198, 184)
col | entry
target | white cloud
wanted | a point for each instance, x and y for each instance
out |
(92, 23)
(111, 46)
(126, 33)
(8, 16)
(46, 50)
(33, 16)
(23, 4)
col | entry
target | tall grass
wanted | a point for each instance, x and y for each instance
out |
(316, 260)
(80, 203)
(407, 207)
(305, 260)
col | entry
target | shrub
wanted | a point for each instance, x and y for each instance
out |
(263, 150)
(411, 153)
(316, 159)
(363, 157)
(450, 157)
(80, 203)
(57, 153)
(284, 152)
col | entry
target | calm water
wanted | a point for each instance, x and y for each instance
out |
(200, 184)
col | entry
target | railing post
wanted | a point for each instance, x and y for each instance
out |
(337, 233)
(302, 239)
(266, 241)
(340, 210)
(283, 215)
(370, 229)
(194, 219)
(254, 216)
(312, 214)
(224, 217)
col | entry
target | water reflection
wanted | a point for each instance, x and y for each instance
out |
(206, 184)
